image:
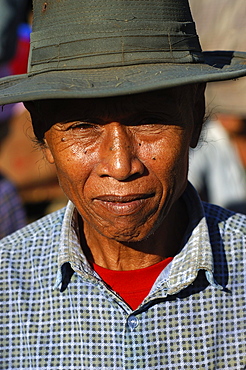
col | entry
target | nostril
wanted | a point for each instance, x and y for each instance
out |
(121, 168)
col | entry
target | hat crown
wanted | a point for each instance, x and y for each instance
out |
(70, 34)
(67, 11)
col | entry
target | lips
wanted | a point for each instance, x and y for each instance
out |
(123, 204)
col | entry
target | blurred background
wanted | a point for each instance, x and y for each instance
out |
(218, 164)
(28, 185)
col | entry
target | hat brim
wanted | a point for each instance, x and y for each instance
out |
(120, 80)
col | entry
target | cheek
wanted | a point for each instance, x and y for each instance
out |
(73, 165)
(74, 168)
(166, 156)
(170, 168)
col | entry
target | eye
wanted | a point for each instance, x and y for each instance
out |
(82, 129)
(151, 124)
(82, 125)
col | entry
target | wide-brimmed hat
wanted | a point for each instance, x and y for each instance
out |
(100, 48)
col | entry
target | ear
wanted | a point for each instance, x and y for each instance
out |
(198, 114)
(47, 152)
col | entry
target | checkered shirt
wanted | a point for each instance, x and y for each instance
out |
(193, 317)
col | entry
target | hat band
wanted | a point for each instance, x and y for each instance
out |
(95, 50)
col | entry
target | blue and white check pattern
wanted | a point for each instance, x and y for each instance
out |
(193, 318)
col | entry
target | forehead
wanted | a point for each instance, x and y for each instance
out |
(66, 109)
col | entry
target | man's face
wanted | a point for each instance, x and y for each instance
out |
(122, 161)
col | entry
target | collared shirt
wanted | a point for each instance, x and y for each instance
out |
(193, 317)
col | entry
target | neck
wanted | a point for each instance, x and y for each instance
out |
(165, 242)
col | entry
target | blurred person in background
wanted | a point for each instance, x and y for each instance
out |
(21, 162)
(12, 14)
(14, 50)
(12, 213)
(218, 165)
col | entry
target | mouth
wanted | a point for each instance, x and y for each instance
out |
(123, 204)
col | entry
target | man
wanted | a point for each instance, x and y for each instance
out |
(147, 276)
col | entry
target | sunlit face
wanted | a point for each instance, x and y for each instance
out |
(123, 162)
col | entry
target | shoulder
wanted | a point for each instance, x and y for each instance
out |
(29, 259)
(225, 219)
(227, 233)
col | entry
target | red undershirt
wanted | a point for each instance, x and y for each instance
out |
(134, 285)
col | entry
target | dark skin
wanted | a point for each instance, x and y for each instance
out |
(123, 162)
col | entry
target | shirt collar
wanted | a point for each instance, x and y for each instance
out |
(195, 255)
(71, 254)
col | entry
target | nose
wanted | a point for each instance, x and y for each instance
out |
(118, 154)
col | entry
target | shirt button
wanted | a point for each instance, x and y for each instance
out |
(132, 322)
